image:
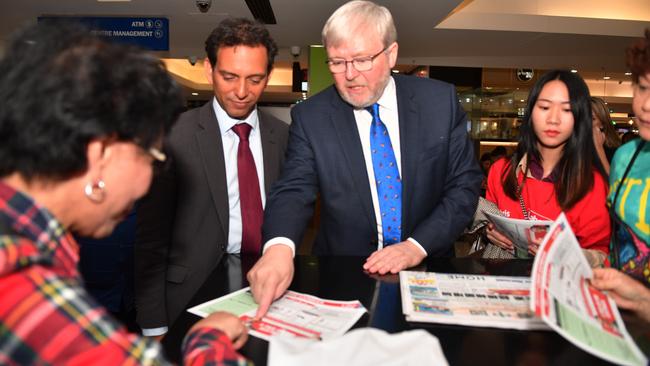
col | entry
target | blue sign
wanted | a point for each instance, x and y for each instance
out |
(148, 33)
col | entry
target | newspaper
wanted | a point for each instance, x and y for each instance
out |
(293, 314)
(464, 299)
(523, 233)
(564, 299)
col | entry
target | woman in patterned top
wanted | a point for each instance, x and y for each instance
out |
(81, 123)
(628, 198)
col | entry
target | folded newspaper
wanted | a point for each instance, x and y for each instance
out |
(523, 233)
(466, 299)
(564, 299)
(294, 314)
(558, 296)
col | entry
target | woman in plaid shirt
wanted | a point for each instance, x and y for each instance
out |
(81, 122)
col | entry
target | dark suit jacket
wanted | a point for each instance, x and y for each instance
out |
(440, 175)
(182, 223)
(106, 266)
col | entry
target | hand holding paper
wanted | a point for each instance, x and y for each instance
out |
(626, 291)
(499, 239)
(294, 314)
(524, 236)
(229, 324)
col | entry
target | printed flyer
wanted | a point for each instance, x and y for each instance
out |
(294, 314)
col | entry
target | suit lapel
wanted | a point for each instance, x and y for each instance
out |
(270, 152)
(345, 126)
(409, 122)
(211, 154)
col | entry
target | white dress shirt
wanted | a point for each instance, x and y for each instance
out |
(230, 142)
(389, 115)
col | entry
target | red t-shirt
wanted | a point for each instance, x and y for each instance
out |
(588, 218)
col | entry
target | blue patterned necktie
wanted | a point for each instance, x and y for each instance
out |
(389, 184)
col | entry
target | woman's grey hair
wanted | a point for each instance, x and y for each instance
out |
(357, 15)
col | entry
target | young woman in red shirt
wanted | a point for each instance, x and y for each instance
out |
(555, 167)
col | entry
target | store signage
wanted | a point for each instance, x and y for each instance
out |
(146, 32)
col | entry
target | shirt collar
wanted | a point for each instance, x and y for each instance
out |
(226, 122)
(388, 99)
(535, 170)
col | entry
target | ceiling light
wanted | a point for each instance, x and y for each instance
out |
(628, 73)
(195, 94)
(574, 71)
(606, 77)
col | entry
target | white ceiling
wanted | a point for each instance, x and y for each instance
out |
(584, 34)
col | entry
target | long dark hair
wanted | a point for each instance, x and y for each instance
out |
(578, 161)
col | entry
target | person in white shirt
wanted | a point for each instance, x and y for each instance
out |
(196, 209)
(389, 155)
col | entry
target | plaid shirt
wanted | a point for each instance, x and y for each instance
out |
(46, 316)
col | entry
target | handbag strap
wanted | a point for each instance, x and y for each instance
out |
(521, 200)
(627, 170)
(613, 243)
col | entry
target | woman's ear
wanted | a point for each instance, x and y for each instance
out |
(98, 154)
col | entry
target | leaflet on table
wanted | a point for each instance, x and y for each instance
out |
(564, 299)
(523, 233)
(465, 299)
(296, 314)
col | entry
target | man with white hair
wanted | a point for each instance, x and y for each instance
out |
(389, 155)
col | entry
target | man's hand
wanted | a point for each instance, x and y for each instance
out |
(627, 292)
(227, 323)
(394, 258)
(271, 276)
(499, 239)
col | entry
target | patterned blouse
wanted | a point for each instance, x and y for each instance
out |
(47, 317)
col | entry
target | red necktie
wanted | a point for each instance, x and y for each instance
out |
(250, 199)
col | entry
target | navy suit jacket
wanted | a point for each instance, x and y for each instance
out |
(440, 175)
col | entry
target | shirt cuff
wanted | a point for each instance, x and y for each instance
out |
(153, 332)
(418, 245)
(281, 240)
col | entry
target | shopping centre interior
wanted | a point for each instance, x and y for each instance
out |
(493, 51)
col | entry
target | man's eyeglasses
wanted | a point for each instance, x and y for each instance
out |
(339, 65)
(154, 152)
(157, 154)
